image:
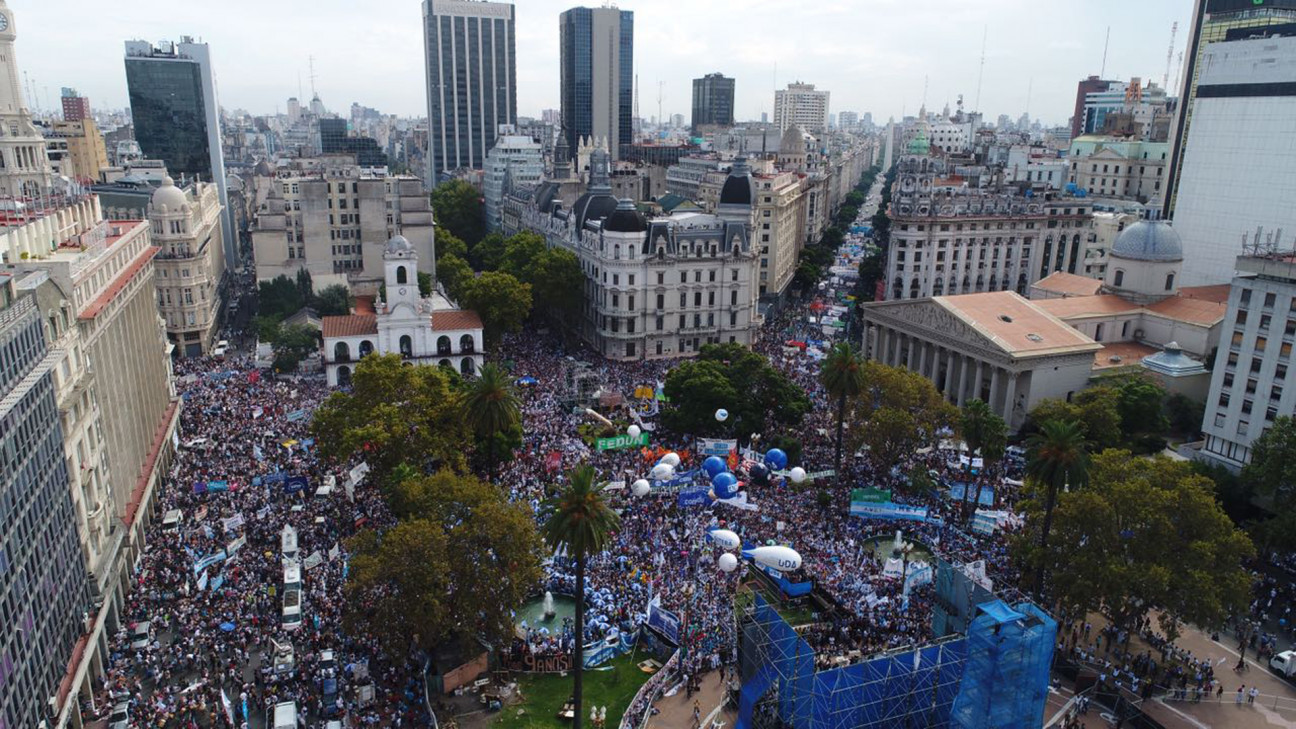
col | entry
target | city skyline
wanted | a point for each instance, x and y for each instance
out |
(879, 64)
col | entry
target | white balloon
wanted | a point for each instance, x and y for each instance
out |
(783, 559)
(663, 471)
(725, 539)
(640, 487)
(633, 431)
(797, 474)
(672, 459)
(728, 562)
(722, 415)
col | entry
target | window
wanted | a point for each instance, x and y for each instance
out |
(733, 298)
(1169, 285)
(661, 301)
(402, 276)
(661, 278)
(1270, 298)
(697, 298)
(1260, 344)
(712, 275)
(1120, 278)
(1246, 296)
(1241, 317)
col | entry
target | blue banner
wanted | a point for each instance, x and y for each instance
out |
(277, 477)
(213, 486)
(694, 497)
(294, 484)
(208, 561)
(296, 415)
(887, 510)
(789, 588)
(681, 479)
(665, 622)
(956, 493)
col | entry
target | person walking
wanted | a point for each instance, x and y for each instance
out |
(1252, 694)
(1238, 699)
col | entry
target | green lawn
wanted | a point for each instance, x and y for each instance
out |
(546, 693)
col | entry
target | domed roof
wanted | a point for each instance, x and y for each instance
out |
(593, 205)
(399, 244)
(738, 188)
(169, 195)
(625, 219)
(1148, 240)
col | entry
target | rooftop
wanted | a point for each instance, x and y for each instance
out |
(1068, 284)
(1122, 354)
(1015, 324)
(1077, 307)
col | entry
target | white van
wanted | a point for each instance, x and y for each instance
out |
(285, 715)
(220, 349)
(292, 610)
(292, 576)
(288, 541)
(171, 520)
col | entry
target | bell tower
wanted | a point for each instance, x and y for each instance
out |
(400, 274)
(26, 170)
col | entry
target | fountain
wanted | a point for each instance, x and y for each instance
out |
(897, 545)
(549, 611)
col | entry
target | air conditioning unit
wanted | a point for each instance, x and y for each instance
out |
(1138, 333)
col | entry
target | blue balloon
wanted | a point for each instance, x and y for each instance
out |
(714, 465)
(725, 485)
(776, 459)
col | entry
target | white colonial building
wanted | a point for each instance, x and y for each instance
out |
(424, 331)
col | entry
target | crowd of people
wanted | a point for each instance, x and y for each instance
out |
(209, 590)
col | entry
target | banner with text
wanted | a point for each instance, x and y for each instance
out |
(621, 442)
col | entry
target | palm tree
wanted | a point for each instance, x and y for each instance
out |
(986, 432)
(842, 375)
(491, 407)
(1057, 458)
(580, 520)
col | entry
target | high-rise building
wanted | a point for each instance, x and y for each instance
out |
(24, 165)
(1087, 86)
(802, 105)
(336, 138)
(75, 107)
(177, 115)
(471, 81)
(1212, 22)
(294, 110)
(596, 46)
(514, 161)
(187, 230)
(1235, 178)
(85, 147)
(848, 120)
(44, 592)
(713, 101)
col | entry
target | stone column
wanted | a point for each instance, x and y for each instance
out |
(1009, 408)
(949, 373)
(976, 391)
(913, 351)
(922, 358)
(994, 388)
(963, 373)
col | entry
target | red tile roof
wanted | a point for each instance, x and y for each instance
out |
(1130, 353)
(364, 305)
(352, 325)
(1193, 311)
(1069, 284)
(1218, 293)
(455, 320)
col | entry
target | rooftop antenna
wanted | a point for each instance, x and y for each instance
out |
(1178, 72)
(1106, 42)
(1030, 88)
(312, 77)
(1165, 80)
(985, 33)
(299, 85)
(660, 121)
(925, 80)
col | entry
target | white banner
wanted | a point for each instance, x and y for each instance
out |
(335, 552)
(235, 545)
(233, 522)
(314, 560)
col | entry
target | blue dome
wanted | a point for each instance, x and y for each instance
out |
(1148, 240)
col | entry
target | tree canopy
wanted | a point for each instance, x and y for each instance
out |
(897, 413)
(458, 207)
(458, 562)
(1144, 532)
(1273, 462)
(394, 414)
(501, 301)
(734, 378)
(292, 344)
(554, 274)
(333, 300)
(281, 296)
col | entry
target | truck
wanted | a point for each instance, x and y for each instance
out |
(1284, 664)
(292, 610)
(285, 715)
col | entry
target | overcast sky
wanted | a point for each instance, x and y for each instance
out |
(873, 55)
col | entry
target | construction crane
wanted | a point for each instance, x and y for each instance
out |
(1165, 80)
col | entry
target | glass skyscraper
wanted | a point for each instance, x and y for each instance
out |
(713, 101)
(44, 588)
(471, 81)
(597, 63)
(177, 116)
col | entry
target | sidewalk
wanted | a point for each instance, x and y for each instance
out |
(677, 710)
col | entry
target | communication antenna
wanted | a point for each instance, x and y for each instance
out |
(985, 33)
(1106, 42)
(1178, 72)
(1030, 89)
(1165, 80)
(660, 120)
(312, 77)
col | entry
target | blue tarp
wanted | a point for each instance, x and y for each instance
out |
(955, 493)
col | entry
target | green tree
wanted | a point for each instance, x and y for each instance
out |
(986, 434)
(453, 271)
(305, 288)
(1233, 492)
(1096, 410)
(1056, 459)
(501, 301)
(1185, 414)
(842, 375)
(458, 207)
(1146, 532)
(899, 412)
(1140, 403)
(740, 381)
(488, 253)
(267, 327)
(854, 197)
(580, 521)
(521, 251)
(1273, 463)
(394, 414)
(333, 300)
(279, 297)
(448, 244)
(458, 562)
(557, 282)
(491, 407)
(425, 284)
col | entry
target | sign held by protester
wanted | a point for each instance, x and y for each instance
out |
(620, 442)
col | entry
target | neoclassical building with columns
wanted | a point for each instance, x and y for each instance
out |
(995, 346)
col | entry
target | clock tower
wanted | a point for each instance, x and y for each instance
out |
(25, 169)
(400, 264)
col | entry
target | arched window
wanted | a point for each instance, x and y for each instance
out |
(466, 366)
(406, 345)
(341, 352)
(443, 346)
(1170, 281)
(446, 363)
(466, 344)
(344, 377)
(1119, 280)
(366, 347)
(401, 275)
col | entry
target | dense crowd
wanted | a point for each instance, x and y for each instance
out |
(220, 627)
